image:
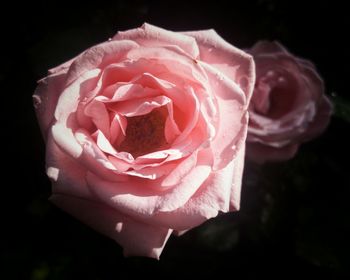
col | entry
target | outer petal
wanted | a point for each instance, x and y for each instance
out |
(45, 99)
(233, 119)
(267, 47)
(137, 238)
(217, 188)
(321, 120)
(67, 176)
(312, 79)
(176, 61)
(140, 201)
(233, 62)
(187, 217)
(150, 35)
(67, 105)
(98, 57)
(65, 139)
(260, 153)
(235, 196)
(73, 94)
(220, 192)
(64, 67)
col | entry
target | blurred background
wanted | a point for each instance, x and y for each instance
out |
(294, 216)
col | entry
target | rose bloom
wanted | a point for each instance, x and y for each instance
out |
(288, 105)
(145, 133)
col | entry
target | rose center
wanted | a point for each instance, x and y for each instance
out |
(144, 134)
(273, 95)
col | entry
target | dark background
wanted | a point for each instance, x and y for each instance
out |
(294, 219)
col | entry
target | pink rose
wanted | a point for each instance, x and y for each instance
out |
(288, 106)
(145, 133)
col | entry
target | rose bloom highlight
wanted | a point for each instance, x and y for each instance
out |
(145, 133)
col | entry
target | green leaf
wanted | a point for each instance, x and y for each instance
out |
(341, 107)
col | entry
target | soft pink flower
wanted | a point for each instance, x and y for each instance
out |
(288, 105)
(145, 133)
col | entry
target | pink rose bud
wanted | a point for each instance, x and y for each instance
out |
(145, 133)
(288, 105)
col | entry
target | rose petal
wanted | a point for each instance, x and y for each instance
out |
(103, 143)
(215, 50)
(98, 57)
(72, 95)
(65, 139)
(137, 199)
(265, 47)
(174, 60)
(137, 238)
(45, 99)
(62, 68)
(66, 174)
(140, 106)
(235, 197)
(184, 190)
(63, 129)
(152, 36)
(127, 91)
(99, 115)
(187, 217)
(153, 172)
(313, 81)
(279, 133)
(171, 130)
(233, 121)
(321, 120)
(180, 171)
(95, 160)
(260, 153)
(213, 196)
(192, 115)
